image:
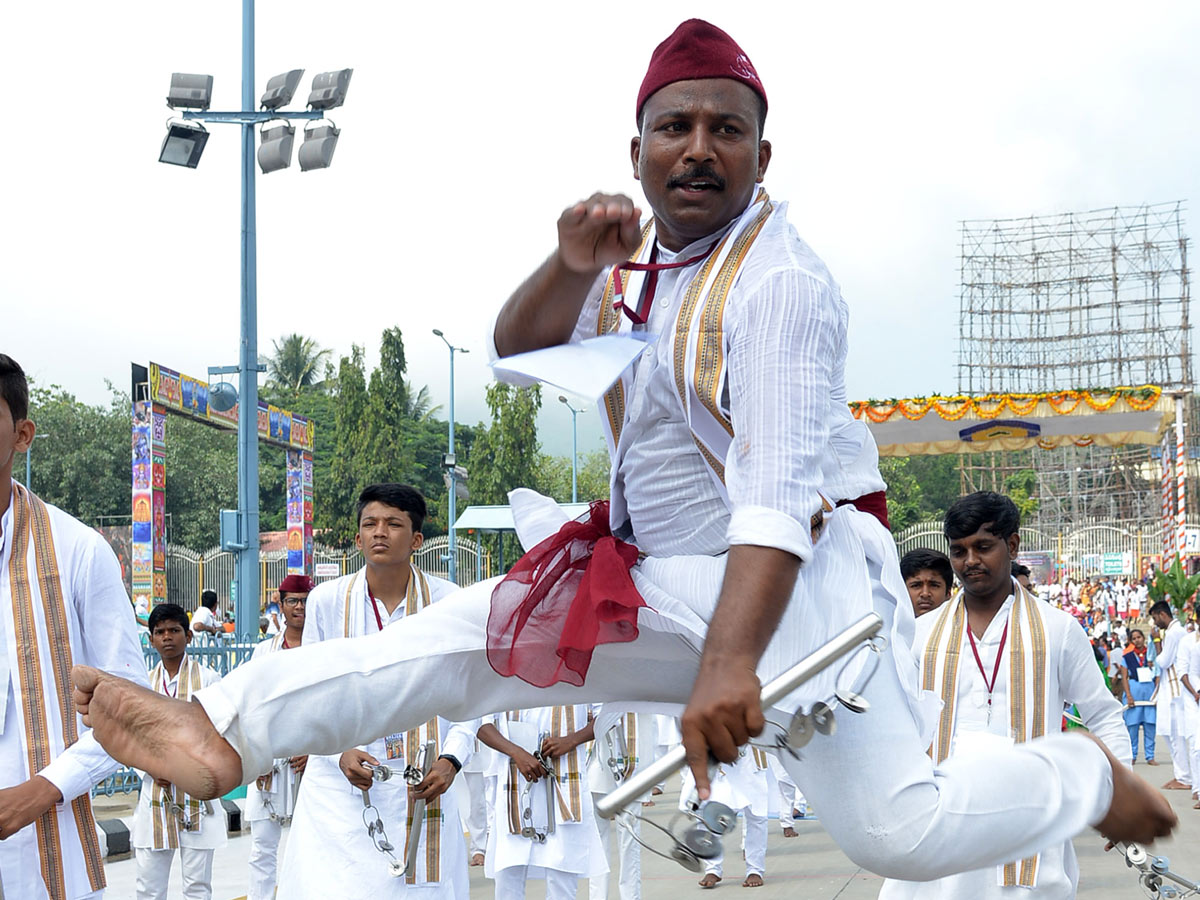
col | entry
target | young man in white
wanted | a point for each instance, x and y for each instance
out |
(1171, 711)
(62, 601)
(745, 529)
(1004, 664)
(271, 798)
(743, 786)
(522, 841)
(204, 620)
(329, 851)
(167, 819)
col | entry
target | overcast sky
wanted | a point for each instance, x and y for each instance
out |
(468, 127)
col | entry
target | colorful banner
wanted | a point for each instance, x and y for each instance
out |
(188, 396)
(142, 540)
(158, 460)
(299, 512)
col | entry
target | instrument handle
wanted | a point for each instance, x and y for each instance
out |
(775, 690)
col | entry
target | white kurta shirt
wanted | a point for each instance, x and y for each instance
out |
(101, 626)
(280, 798)
(1170, 692)
(214, 830)
(329, 853)
(1073, 677)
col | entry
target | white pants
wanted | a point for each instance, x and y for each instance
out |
(154, 871)
(754, 847)
(475, 818)
(1179, 743)
(264, 853)
(629, 859)
(881, 797)
(510, 884)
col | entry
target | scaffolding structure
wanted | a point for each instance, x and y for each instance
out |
(1077, 301)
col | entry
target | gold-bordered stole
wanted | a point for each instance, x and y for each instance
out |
(609, 322)
(562, 724)
(1024, 609)
(706, 320)
(31, 521)
(760, 758)
(955, 613)
(346, 625)
(414, 741)
(631, 744)
(514, 784)
(165, 822)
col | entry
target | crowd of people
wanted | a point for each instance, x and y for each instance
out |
(746, 528)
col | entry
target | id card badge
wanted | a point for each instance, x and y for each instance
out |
(976, 741)
(1145, 674)
(394, 746)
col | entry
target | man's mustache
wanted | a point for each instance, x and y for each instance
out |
(697, 173)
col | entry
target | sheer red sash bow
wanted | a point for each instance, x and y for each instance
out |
(564, 597)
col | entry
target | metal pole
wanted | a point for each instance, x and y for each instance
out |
(574, 458)
(451, 544)
(246, 607)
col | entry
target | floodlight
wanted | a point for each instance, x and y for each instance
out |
(276, 150)
(319, 143)
(329, 89)
(281, 89)
(222, 396)
(190, 91)
(183, 144)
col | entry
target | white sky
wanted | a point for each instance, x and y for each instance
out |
(468, 127)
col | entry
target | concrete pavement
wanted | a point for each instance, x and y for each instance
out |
(809, 866)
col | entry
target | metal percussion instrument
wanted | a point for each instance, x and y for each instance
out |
(1155, 875)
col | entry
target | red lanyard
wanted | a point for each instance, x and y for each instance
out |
(642, 312)
(375, 608)
(979, 662)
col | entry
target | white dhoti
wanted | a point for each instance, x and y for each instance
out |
(880, 796)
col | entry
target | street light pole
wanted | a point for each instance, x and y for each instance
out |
(574, 448)
(451, 463)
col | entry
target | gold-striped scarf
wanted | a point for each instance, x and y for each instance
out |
(165, 800)
(566, 781)
(630, 761)
(416, 599)
(1029, 706)
(698, 340)
(43, 687)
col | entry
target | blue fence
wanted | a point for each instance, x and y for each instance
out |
(223, 654)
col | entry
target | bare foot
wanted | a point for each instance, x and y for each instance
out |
(1138, 812)
(1176, 785)
(647, 803)
(170, 739)
(655, 792)
(709, 881)
(477, 859)
(753, 880)
(790, 832)
(1151, 762)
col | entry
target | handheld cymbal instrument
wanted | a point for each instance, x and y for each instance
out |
(703, 824)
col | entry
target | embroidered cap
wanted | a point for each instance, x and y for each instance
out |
(296, 584)
(698, 49)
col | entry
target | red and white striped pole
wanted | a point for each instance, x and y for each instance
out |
(1168, 502)
(1180, 482)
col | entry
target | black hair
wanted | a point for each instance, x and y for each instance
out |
(403, 497)
(762, 113)
(916, 560)
(970, 513)
(209, 599)
(1018, 570)
(14, 388)
(167, 612)
(1162, 606)
(1133, 631)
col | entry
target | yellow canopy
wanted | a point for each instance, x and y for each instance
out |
(964, 424)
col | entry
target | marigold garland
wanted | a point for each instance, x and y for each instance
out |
(992, 406)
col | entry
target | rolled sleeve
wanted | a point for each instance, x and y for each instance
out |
(784, 341)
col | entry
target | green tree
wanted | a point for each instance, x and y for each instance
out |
(505, 455)
(1021, 488)
(334, 511)
(905, 499)
(295, 364)
(554, 477)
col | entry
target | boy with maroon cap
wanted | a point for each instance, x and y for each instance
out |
(271, 798)
(745, 529)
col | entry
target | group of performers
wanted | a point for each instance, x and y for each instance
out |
(746, 527)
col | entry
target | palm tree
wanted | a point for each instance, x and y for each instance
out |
(296, 363)
(420, 406)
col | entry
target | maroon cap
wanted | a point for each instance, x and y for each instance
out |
(698, 49)
(296, 584)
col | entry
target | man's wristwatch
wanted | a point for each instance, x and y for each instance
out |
(453, 760)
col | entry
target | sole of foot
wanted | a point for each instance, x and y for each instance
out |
(171, 739)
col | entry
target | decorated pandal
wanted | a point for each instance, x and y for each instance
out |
(976, 424)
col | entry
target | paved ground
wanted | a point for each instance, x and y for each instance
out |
(809, 867)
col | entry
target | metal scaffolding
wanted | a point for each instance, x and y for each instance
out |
(1072, 301)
